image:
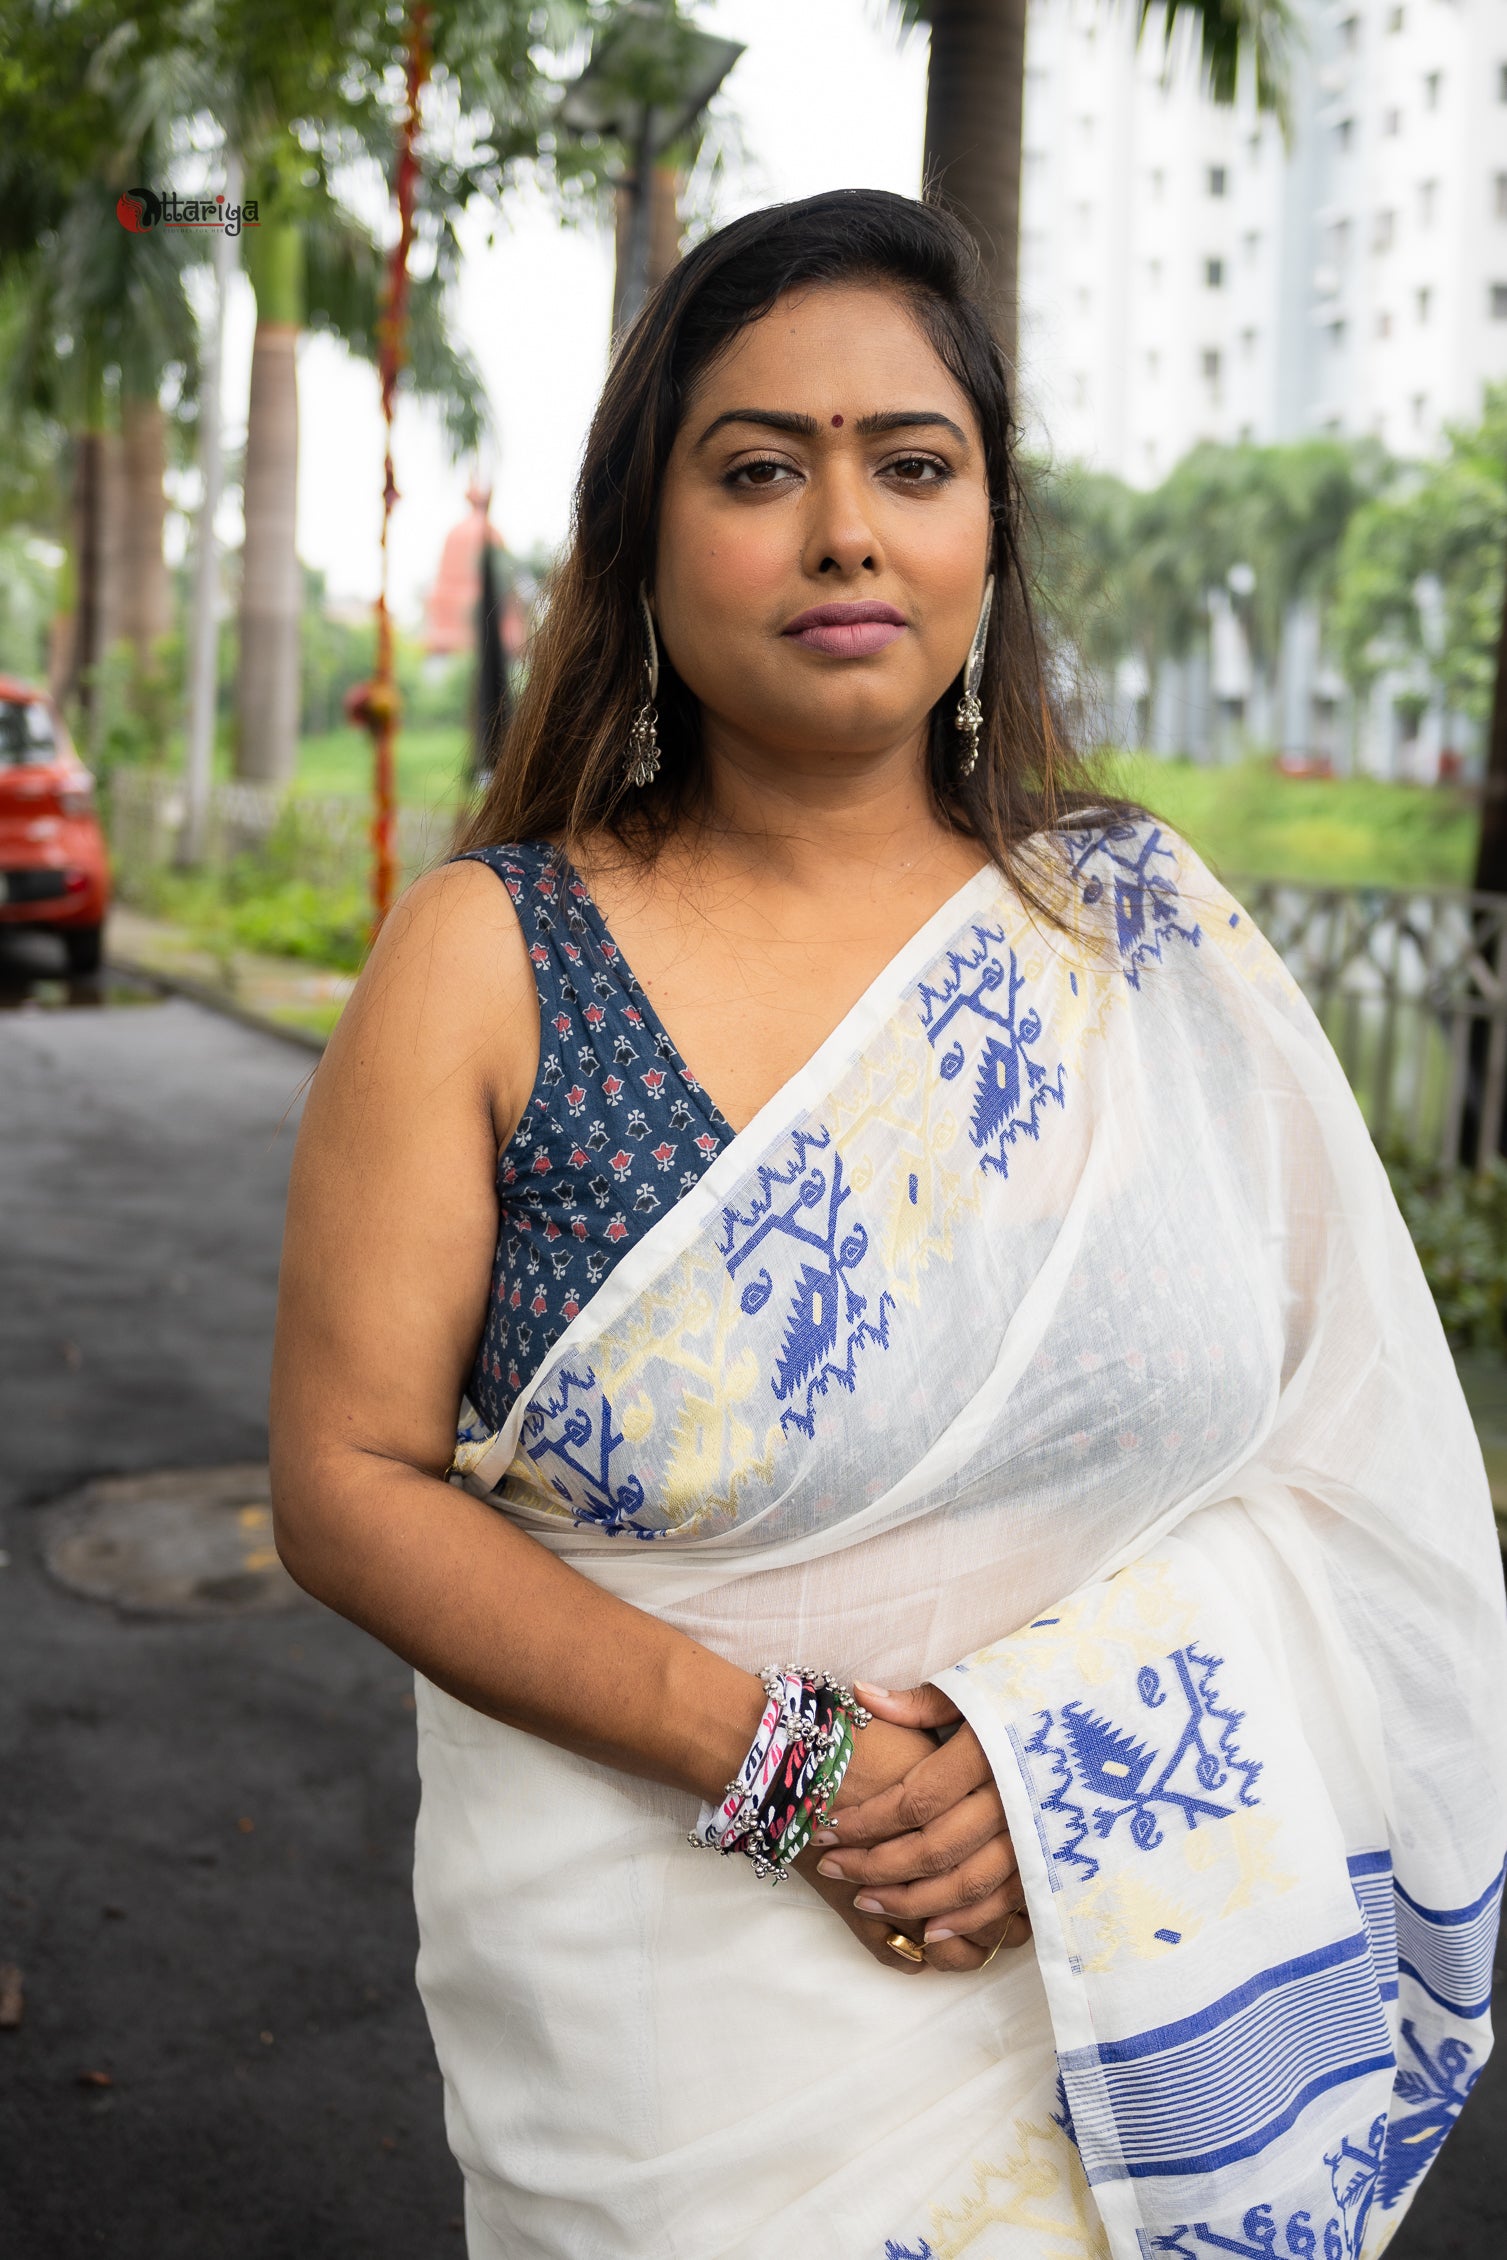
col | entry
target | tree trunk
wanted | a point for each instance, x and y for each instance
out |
(204, 622)
(267, 681)
(974, 91)
(143, 612)
(1491, 854)
(268, 675)
(78, 642)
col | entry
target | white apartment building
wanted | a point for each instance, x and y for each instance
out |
(1186, 275)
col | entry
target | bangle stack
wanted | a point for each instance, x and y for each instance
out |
(794, 1768)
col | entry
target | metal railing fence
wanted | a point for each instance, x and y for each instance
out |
(1410, 984)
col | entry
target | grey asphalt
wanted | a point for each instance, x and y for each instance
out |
(245, 1989)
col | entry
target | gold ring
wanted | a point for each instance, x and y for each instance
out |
(906, 1948)
(1002, 1939)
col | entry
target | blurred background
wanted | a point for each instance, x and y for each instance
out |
(304, 307)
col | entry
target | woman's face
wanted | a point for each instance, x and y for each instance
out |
(823, 532)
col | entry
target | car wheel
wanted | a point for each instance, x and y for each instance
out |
(86, 948)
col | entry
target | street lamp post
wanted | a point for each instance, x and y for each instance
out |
(649, 79)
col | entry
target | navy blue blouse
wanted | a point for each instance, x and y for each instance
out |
(615, 1130)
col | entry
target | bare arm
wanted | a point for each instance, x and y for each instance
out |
(392, 1224)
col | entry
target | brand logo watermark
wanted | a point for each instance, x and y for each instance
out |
(142, 209)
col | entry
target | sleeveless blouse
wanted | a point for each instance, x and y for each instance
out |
(615, 1130)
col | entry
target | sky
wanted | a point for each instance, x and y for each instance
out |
(827, 95)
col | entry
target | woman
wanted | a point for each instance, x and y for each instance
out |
(948, 1259)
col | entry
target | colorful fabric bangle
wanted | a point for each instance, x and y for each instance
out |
(796, 1763)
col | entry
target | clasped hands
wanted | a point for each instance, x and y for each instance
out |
(919, 1842)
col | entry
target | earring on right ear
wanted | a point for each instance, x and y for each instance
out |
(970, 714)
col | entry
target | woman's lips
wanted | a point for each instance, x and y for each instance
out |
(847, 631)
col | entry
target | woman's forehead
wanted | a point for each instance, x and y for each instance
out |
(858, 340)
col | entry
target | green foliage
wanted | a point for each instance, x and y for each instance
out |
(1120, 570)
(291, 899)
(136, 708)
(1442, 523)
(1250, 822)
(432, 760)
(1459, 1227)
(28, 585)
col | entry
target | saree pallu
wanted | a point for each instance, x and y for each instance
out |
(1053, 1333)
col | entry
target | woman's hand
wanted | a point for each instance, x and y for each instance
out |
(931, 1850)
(883, 1755)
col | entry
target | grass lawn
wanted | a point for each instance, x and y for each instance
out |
(1249, 822)
(431, 763)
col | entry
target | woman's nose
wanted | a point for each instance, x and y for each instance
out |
(841, 539)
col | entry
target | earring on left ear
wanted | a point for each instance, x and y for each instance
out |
(970, 714)
(643, 736)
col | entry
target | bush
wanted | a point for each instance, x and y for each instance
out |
(1459, 1227)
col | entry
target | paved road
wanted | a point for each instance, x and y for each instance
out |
(247, 1989)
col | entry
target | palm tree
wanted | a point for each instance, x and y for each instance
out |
(975, 88)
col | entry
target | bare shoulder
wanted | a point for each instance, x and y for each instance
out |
(446, 1001)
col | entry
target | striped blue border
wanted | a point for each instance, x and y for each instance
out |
(1449, 1951)
(1209, 2089)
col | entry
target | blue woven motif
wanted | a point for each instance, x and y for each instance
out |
(1336, 2228)
(1132, 859)
(894, 2251)
(798, 1207)
(1099, 1773)
(616, 1128)
(1012, 1087)
(1432, 2090)
(573, 1426)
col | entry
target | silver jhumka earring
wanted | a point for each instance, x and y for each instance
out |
(643, 737)
(970, 714)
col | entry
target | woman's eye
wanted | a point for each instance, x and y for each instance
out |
(758, 475)
(918, 470)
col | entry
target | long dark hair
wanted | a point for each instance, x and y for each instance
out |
(562, 772)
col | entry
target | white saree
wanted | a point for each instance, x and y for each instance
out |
(1054, 1333)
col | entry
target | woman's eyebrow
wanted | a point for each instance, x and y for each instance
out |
(807, 427)
(772, 419)
(909, 420)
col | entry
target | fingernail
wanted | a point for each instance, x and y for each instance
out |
(867, 1687)
(830, 1868)
(867, 1905)
(824, 1836)
(931, 1937)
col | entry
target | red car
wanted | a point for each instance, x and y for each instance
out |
(54, 867)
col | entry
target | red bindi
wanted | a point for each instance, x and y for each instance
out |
(836, 421)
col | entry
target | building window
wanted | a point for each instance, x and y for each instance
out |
(1395, 20)
(1248, 344)
(1158, 182)
(1384, 324)
(1350, 34)
(1392, 122)
(1213, 274)
(1502, 82)
(1423, 299)
(1209, 360)
(1500, 195)
(1499, 302)
(1219, 180)
(1383, 231)
(1428, 195)
(1339, 242)
(1252, 247)
(1420, 410)
(1336, 335)
(1344, 132)
(1431, 86)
